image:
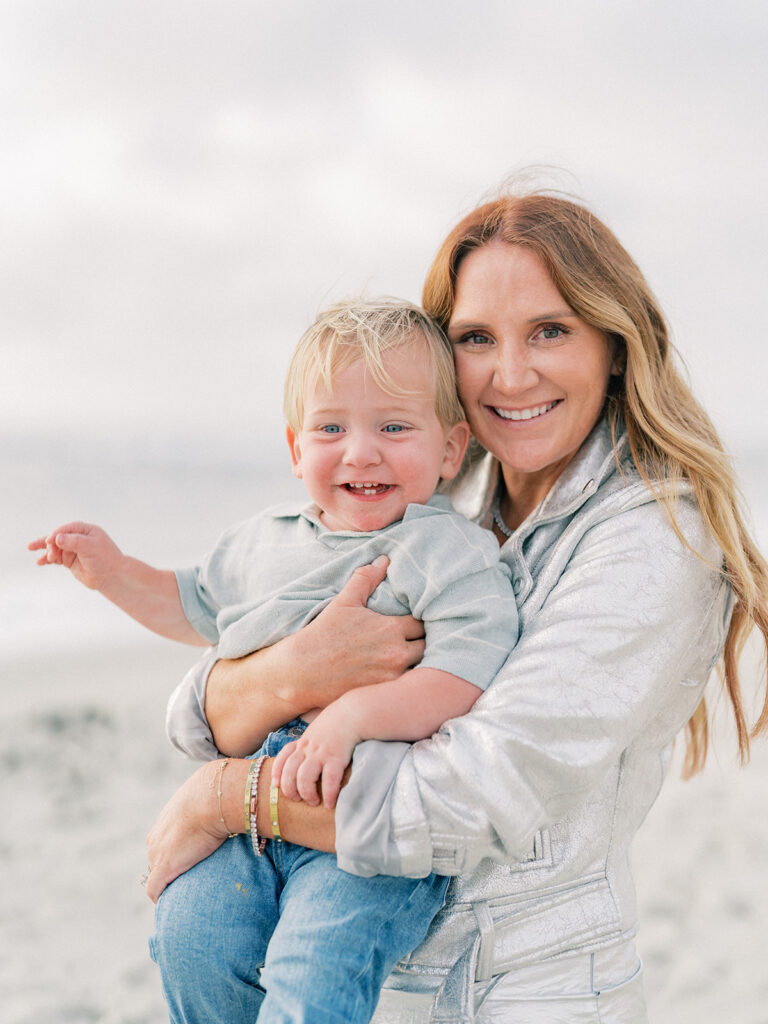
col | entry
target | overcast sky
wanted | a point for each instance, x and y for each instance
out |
(183, 184)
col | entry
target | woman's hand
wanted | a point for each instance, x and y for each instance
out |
(189, 828)
(348, 645)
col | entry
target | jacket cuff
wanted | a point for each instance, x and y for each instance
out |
(364, 842)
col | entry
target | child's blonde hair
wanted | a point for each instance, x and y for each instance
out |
(366, 329)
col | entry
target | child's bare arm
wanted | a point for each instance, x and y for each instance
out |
(411, 707)
(148, 595)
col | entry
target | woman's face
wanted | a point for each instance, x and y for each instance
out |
(532, 375)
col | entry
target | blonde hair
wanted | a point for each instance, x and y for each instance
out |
(670, 436)
(366, 330)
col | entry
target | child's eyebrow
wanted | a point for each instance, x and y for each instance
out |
(328, 410)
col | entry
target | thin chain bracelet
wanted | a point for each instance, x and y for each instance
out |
(220, 772)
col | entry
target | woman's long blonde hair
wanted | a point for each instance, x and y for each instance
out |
(670, 436)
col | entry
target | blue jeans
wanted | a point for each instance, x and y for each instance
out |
(285, 937)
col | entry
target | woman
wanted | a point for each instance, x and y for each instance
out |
(615, 507)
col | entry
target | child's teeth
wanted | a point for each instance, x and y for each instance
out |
(366, 488)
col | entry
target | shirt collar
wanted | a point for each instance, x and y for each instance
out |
(474, 492)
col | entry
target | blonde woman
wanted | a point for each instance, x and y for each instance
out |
(616, 510)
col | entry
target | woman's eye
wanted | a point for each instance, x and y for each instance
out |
(474, 340)
(331, 428)
(552, 332)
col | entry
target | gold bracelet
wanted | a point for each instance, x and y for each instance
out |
(222, 765)
(273, 816)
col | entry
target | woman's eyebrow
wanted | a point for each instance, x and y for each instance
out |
(559, 314)
(464, 325)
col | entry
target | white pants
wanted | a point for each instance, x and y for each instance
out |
(591, 988)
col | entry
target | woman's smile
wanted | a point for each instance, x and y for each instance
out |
(532, 413)
(532, 374)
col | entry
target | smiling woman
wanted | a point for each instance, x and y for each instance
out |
(533, 374)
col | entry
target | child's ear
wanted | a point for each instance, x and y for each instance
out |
(293, 445)
(456, 441)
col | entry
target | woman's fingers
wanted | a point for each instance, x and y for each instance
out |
(413, 629)
(362, 583)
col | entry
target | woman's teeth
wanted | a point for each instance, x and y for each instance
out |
(524, 414)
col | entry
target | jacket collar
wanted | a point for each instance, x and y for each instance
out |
(595, 461)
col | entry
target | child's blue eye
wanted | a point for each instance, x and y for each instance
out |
(394, 428)
(331, 428)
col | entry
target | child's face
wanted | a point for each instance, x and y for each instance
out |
(364, 454)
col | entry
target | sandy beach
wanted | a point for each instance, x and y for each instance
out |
(86, 767)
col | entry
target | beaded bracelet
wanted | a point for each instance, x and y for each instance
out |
(251, 806)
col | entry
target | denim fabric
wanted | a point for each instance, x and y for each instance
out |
(285, 937)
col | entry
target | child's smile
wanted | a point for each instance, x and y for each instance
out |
(365, 454)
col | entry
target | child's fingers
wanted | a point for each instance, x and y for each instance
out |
(77, 543)
(306, 781)
(279, 761)
(333, 772)
(288, 768)
(37, 545)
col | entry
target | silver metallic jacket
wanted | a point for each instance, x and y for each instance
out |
(533, 798)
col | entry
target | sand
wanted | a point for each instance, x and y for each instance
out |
(86, 766)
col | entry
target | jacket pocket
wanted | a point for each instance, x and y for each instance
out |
(578, 917)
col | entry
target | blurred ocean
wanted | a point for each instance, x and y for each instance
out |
(164, 502)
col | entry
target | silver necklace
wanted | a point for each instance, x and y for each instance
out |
(496, 513)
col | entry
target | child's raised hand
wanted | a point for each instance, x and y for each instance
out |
(320, 755)
(86, 550)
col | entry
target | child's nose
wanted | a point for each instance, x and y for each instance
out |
(361, 450)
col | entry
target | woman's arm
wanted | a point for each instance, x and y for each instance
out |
(209, 807)
(621, 647)
(346, 646)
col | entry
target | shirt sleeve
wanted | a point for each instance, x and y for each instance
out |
(622, 646)
(185, 722)
(449, 575)
(221, 581)
(198, 605)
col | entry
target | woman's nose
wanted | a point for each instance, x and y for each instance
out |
(513, 371)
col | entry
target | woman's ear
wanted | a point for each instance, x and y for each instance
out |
(456, 441)
(295, 450)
